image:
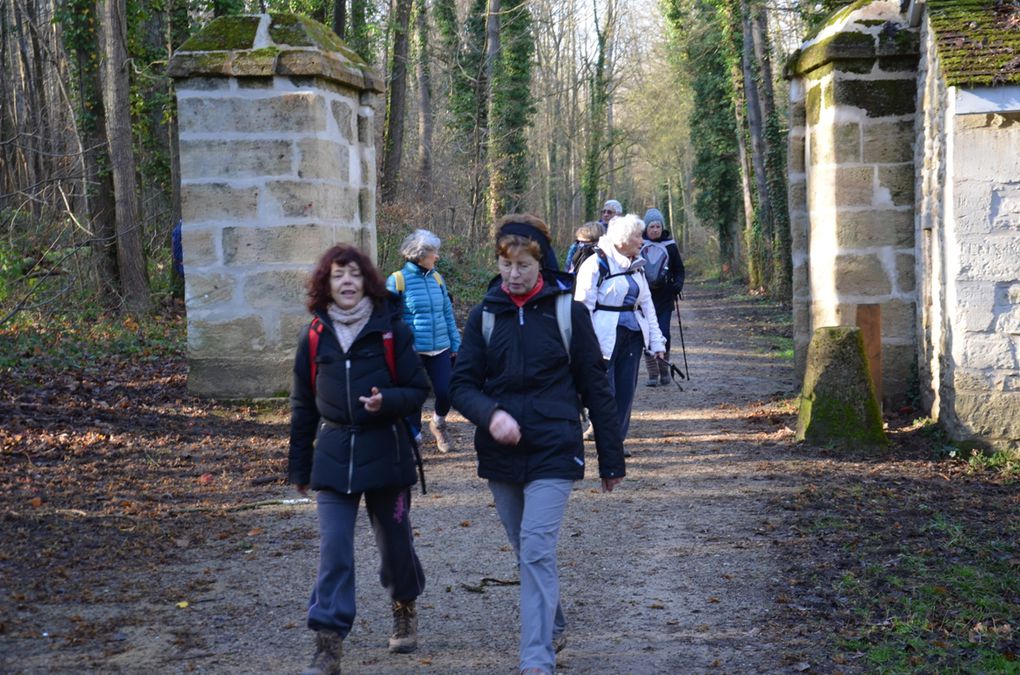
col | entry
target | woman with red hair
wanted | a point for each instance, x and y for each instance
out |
(348, 440)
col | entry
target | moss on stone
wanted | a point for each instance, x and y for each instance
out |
(839, 47)
(880, 98)
(287, 29)
(813, 104)
(838, 403)
(978, 41)
(224, 33)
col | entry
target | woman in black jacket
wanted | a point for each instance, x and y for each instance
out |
(356, 376)
(518, 381)
(665, 290)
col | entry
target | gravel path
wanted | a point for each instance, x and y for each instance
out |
(671, 573)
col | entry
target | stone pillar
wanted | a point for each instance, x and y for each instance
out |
(277, 157)
(852, 181)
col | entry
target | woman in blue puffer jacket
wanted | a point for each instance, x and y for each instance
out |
(429, 312)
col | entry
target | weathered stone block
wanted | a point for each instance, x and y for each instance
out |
(367, 170)
(879, 227)
(240, 378)
(878, 98)
(366, 128)
(861, 275)
(990, 417)
(212, 339)
(281, 244)
(836, 144)
(1007, 308)
(899, 374)
(854, 185)
(344, 115)
(906, 265)
(984, 159)
(989, 350)
(293, 112)
(898, 320)
(292, 326)
(795, 154)
(889, 142)
(366, 205)
(898, 179)
(189, 84)
(217, 202)
(838, 401)
(1005, 207)
(236, 159)
(324, 160)
(276, 288)
(199, 246)
(990, 259)
(295, 199)
(203, 290)
(975, 307)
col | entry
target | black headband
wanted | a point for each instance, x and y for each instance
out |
(535, 234)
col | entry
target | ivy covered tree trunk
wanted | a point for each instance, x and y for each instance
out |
(511, 110)
(116, 94)
(591, 172)
(393, 141)
(425, 112)
(79, 20)
(780, 257)
(360, 36)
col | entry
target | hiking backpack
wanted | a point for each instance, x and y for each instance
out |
(563, 321)
(656, 257)
(583, 251)
(398, 280)
(315, 331)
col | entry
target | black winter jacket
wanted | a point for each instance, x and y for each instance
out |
(525, 371)
(355, 450)
(662, 297)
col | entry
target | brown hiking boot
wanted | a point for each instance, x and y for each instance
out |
(664, 372)
(438, 430)
(329, 647)
(653, 370)
(405, 628)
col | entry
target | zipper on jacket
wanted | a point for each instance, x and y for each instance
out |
(520, 316)
(396, 440)
(350, 412)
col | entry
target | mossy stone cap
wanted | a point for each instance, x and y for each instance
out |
(862, 31)
(263, 45)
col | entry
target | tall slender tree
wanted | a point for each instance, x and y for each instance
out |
(511, 108)
(425, 112)
(393, 141)
(116, 95)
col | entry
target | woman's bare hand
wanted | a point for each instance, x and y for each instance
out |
(504, 428)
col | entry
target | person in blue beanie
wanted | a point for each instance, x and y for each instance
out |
(664, 270)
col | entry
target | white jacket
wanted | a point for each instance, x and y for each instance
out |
(612, 293)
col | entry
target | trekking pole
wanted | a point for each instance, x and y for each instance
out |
(683, 347)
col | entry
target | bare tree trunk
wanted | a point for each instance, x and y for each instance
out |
(393, 143)
(425, 112)
(116, 94)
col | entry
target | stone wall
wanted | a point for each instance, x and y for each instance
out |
(852, 183)
(969, 223)
(277, 164)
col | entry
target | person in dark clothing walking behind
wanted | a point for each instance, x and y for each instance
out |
(356, 376)
(528, 361)
(664, 269)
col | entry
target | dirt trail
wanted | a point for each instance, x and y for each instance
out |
(671, 573)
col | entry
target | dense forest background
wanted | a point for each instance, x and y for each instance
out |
(547, 106)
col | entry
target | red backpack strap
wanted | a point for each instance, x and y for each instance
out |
(388, 353)
(314, 331)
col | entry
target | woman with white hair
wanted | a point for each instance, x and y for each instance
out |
(429, 312)
(612, 285)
